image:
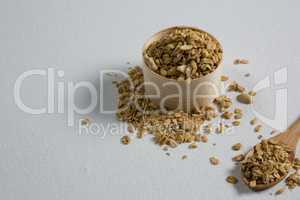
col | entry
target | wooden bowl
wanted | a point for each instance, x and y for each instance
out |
(179, 95)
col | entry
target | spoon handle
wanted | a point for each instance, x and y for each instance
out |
(292, 134)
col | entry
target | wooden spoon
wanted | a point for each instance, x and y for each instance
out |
(289, 138)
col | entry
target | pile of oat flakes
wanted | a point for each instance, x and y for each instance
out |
(173, 127)
(168, 128)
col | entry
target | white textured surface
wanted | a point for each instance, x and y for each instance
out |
(42, 158)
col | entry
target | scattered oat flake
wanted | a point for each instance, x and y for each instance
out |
(227, 115)
(232, 179)
(214, 160)
(279, 191)
(259, 137)
(252, 93)
(237, 146)
(253, 121)
(244, 98)
(224, 78)
(235, 87)
(238, 111)
(223, 103)
(208, 128)
(193, 146)
(238, 116)
(86, 121)
(165, 148)
(238, 158)
(221, 128)
(293, 180)
(236, 123)
(184, 157)
(240, 61)
(125, 139)
(258, 128)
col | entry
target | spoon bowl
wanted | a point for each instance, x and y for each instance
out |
(288, 138)
(260, 187)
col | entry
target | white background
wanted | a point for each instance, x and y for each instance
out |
(42, 158)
